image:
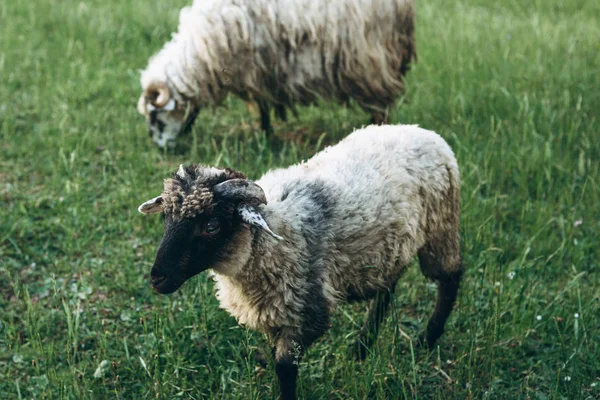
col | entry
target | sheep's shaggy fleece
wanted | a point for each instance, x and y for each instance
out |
(288, 51)
(352, 218)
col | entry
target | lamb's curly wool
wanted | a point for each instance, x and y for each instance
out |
(286, 52)
(183, 198)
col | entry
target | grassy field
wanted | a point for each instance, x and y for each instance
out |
(513, 86)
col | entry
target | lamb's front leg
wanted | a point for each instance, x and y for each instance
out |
(290, 345)
(291, 341)
(288, 353)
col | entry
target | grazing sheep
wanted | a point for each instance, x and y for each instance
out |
(278, 53)
(287, 249)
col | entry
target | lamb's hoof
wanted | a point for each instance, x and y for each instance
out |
(359, 350)
(422, 342)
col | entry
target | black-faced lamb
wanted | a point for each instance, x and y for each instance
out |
(285, 250)
(278, 53)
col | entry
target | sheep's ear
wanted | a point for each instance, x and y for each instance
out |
(170, 106)
(152, 206)
(142, 107)
(252, 217)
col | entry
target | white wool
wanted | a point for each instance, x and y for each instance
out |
(288, 51)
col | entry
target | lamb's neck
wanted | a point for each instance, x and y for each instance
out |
(269, 290)
(253, 249)
(272, 255)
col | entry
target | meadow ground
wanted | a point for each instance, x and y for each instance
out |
(513, 86)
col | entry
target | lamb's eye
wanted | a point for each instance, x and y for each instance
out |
(212, 226)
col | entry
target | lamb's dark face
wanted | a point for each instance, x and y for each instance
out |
(188, 247)
(206, 212)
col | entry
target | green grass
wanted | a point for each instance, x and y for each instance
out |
(514, 87)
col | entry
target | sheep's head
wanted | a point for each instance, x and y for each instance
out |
(205, 209)
(166, 116)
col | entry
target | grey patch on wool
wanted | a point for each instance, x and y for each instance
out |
(320, 203)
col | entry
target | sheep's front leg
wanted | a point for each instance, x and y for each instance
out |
(288, 353)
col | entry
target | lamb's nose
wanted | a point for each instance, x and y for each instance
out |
(157, 280)
(157, 276)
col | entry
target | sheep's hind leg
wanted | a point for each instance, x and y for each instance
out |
(280, 112)
(265, 117)
(446, 269)
(379, 117)
(375, 316)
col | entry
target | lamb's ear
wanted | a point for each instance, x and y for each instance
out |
(152, 206)
(251, 216)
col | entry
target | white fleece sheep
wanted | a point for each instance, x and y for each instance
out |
(278, 53)
(287, 249)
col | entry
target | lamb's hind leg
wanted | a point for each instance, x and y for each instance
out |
(375, 316)
(441, 263)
